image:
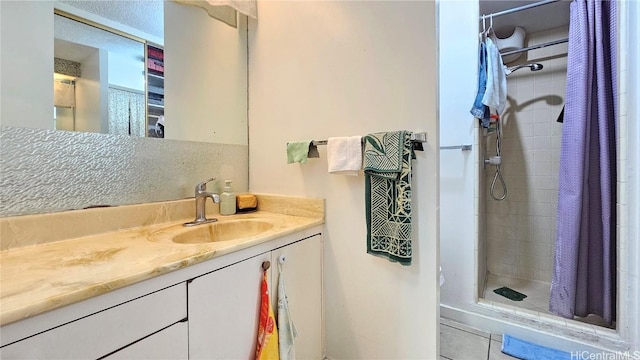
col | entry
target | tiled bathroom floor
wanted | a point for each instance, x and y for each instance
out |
(459, 342)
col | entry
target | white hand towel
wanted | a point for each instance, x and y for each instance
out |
(286, 329)
(495, 95)
(344, 155)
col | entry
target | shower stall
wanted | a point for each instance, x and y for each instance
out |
(521, 218)
(506, 187)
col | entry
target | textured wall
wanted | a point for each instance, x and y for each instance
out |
(45, 171)
(521, 229)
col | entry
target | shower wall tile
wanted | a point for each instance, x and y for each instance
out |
(521, 229)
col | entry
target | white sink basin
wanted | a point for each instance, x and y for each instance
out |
(213, 232)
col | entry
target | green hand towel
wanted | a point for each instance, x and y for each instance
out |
(387, 168)
(300, 151)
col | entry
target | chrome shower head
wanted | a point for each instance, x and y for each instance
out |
(533, 67)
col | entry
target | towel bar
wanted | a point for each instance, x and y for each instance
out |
(420, 137)
(461, 147)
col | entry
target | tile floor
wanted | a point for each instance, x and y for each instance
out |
(460, 342)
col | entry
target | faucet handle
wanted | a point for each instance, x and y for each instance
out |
(203, 185)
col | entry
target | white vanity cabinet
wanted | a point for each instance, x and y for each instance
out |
(170, 343)
(302, 269)
(103, 332)
(223, 310)
(224, 305)
(205, 311)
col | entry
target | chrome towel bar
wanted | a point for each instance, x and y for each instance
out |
(453, 147)
(420, 137)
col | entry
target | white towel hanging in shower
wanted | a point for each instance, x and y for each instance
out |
(495, 95)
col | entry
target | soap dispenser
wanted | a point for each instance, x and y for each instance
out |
(227, 200)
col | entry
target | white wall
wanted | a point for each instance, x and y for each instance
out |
(629, 169)
(321, 69)
(205, 77)
(26, 65)
(127, 72)
(458, 51)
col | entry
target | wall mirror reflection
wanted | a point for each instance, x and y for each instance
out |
(99, 80)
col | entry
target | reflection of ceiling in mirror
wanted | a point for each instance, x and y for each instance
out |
(80, 42)
(70, 31)
(147, 15)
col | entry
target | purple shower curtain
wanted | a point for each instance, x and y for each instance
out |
(584, 275)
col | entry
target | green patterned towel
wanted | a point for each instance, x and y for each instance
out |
(387, 168)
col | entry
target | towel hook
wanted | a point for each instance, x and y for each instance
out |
(266, 265)
(282, 259)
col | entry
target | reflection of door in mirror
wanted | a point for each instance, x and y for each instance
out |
(64, 94)
(99, 81)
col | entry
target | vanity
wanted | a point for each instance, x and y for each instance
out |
(132, 282)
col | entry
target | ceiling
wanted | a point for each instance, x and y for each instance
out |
(536, 19)
(144, 15)
(75, 41)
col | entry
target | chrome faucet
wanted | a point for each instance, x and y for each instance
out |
(201, 196)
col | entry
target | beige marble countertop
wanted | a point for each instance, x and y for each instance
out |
(41, 277)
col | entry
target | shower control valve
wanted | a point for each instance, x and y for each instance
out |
(494, 160)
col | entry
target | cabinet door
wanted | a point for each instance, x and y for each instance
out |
(170, 343)
(302, 271)
(223, 311)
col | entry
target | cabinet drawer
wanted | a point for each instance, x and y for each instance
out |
(101, 333)
(170, 343)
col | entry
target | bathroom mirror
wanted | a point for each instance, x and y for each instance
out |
(205, 97)
(220, 118)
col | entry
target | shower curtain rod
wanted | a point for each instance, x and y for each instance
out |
(519, 8)
(539, 46)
